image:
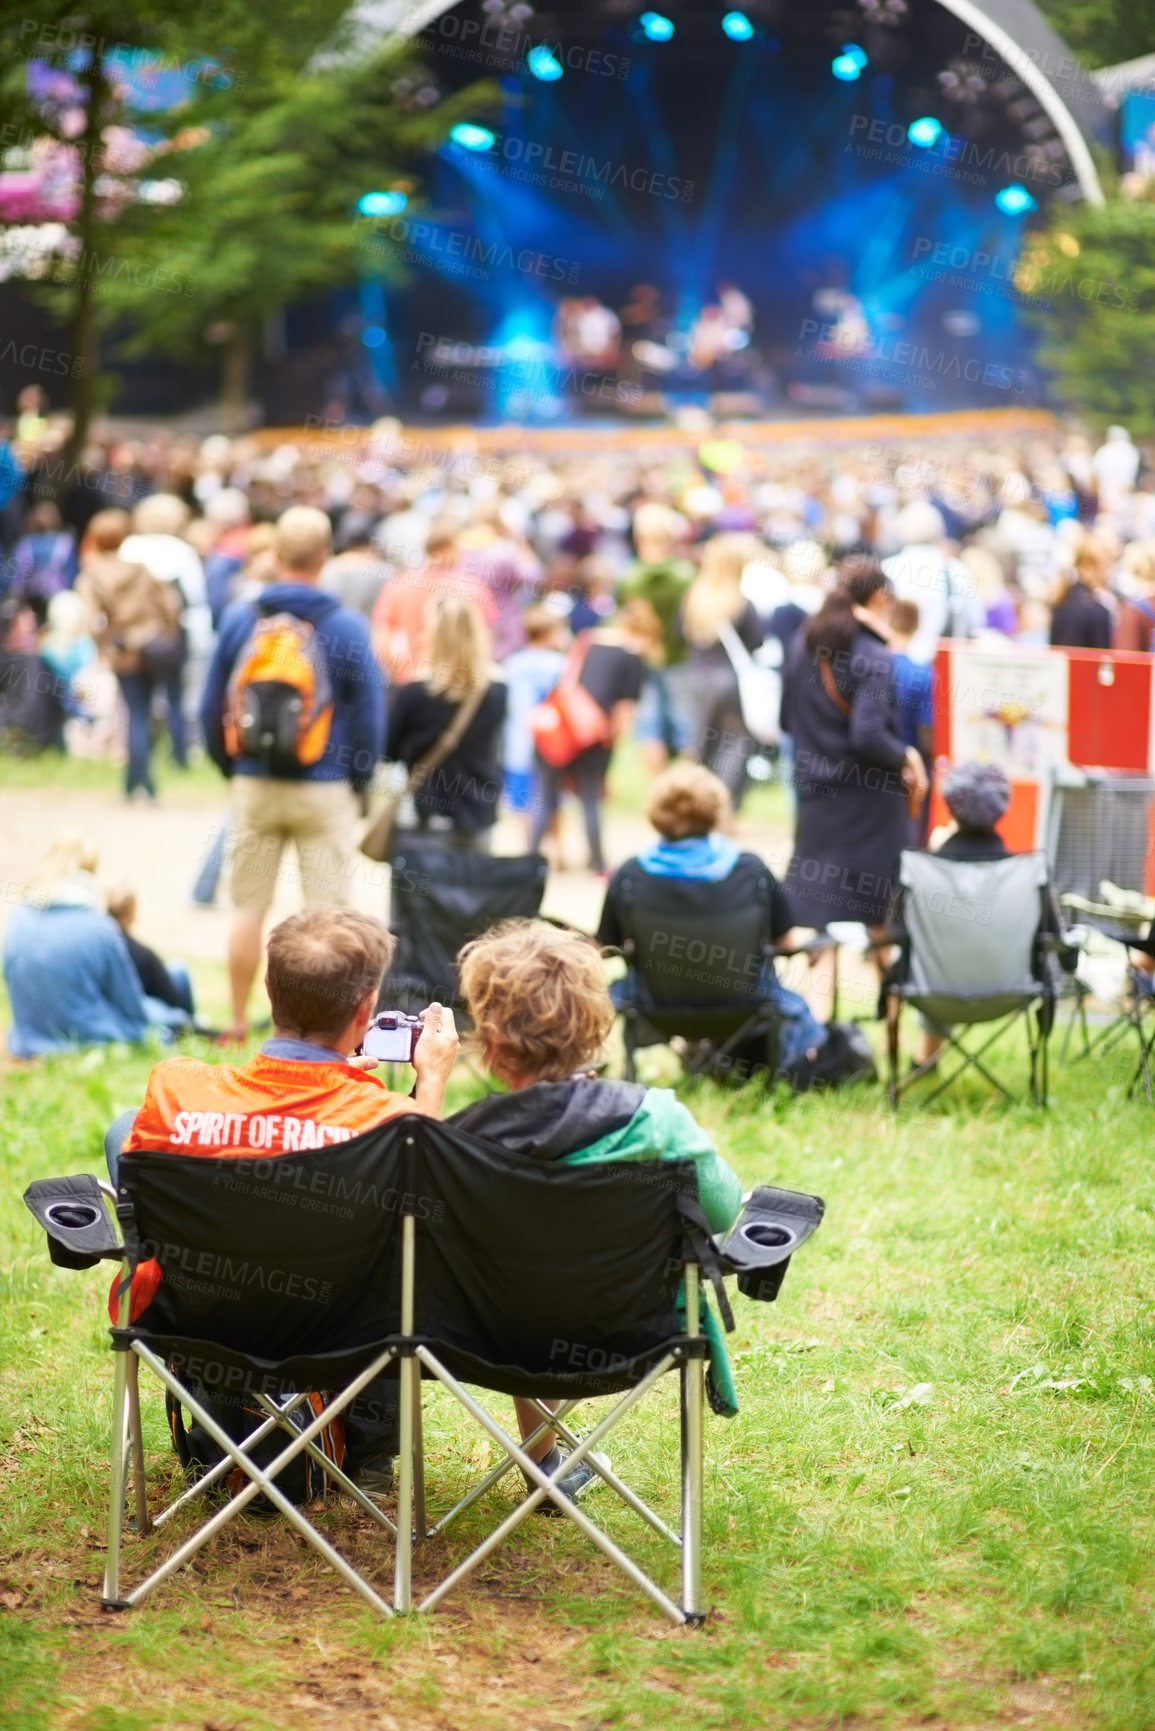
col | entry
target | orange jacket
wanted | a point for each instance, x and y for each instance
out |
(267, 1106)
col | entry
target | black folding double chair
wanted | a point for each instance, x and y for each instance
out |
(411, 1251)
(699, 960)
(972, 952)
(440, 898)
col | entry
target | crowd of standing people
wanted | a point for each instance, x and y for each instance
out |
(497, 625)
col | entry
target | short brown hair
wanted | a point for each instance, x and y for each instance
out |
(904, 617)
(687, 800)
(322, 965)
(538, 1000)
(108, 529)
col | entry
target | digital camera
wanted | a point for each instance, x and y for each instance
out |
(391, 1037)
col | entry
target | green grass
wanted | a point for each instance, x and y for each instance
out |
(934, 1508)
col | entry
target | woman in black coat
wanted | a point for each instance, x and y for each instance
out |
(1079, 619)
(854, 776)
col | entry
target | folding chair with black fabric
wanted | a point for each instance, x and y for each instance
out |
(699, 966)
(549, 1281)
(262, 1279)
(416, 1250)
(972, 951)
(439, 899)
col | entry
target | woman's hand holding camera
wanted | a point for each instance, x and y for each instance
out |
(434, 1056)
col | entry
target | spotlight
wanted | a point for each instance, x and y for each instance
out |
(543, 64)
(382, 203)
(1015, 200)
(656, 27)
(849, 63)
(925, 133)
(372, 336)
(471, 137)
(737, 27)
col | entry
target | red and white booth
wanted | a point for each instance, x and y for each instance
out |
(1044, 715)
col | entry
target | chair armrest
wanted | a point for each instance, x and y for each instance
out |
(75, 1215)
(759, 1245)
(820, 942)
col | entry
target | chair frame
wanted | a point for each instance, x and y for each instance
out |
(762, 1018)
(413, 1355)
(1037, 1038)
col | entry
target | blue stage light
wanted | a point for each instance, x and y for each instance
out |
(544, 64)
(849, 63)
(737, 27)
(925, 133)
(1015, 200)
(382, 203)
(656, 27)
(372, 336)
(471, 137)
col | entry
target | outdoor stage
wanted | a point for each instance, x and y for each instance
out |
(407, 443)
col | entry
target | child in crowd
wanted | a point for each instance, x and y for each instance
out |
(530, 675)
(170, 984)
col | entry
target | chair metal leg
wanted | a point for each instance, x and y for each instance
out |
(111, 1596)
(693, 1375)
(893, 1089)
(419, 1515)
(143, 1519)
(403, 1570)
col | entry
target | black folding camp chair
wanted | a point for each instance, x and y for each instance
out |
(971, 953)
(413, 1251)
(700, 958)
(439, 899)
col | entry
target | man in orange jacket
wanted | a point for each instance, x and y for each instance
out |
(305, 1088)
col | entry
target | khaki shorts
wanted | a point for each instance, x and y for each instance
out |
(320, 817)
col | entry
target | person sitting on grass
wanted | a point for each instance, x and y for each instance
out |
(541, 1012)
(305, 1088)
(70, 977)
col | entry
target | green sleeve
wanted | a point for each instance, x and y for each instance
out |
(719, 1191)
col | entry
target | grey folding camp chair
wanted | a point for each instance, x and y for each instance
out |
(971, 955)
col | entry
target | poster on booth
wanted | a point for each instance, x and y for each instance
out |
(1009, 710)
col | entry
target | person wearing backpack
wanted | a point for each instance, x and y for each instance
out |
(293, 714)
(44, 560)
(134, 619)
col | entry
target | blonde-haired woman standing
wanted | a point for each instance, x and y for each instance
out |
(459, 799)
(713, 603)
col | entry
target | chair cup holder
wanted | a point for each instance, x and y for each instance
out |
(73, 1214)
(765, 1236)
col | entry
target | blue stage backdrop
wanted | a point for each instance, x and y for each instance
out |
(761, 212)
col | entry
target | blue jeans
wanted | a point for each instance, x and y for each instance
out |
(139, 690)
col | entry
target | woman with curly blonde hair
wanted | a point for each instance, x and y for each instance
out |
(542, 1013)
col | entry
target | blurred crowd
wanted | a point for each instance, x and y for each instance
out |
(119, 567)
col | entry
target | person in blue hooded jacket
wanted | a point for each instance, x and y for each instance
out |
(313, 805)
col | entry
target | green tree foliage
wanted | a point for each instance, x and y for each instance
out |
(282, 134)
(1103, 32)
(1091, 282)
(267, 212)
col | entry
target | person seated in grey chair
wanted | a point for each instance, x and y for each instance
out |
(541, 1014)
(977, 796)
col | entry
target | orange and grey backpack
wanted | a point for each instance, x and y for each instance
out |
(279, 708)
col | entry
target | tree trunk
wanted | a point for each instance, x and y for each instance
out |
(85, 346)
(235, 364)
